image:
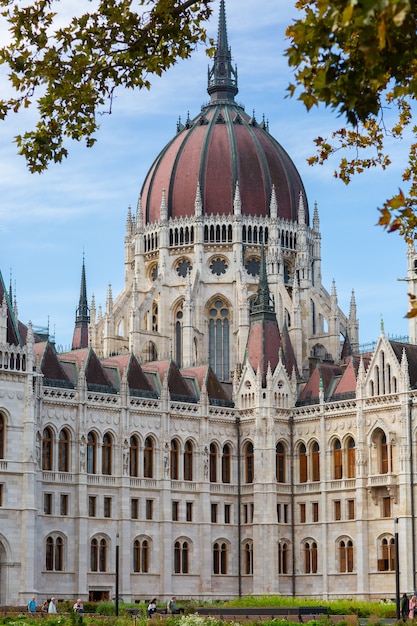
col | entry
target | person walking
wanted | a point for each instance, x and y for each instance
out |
(32, 605)
(412, 607)
(405, 606)
(52, 606)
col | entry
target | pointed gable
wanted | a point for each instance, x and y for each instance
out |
(411, 354)
(12, 328)
(178, 388)
(205, 377)
(324, 374)
(95, 374)
(139, 384)
(288, 354)
(50, 365)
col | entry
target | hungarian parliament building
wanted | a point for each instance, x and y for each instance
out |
(215, 425)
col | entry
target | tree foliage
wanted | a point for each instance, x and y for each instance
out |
(359, 57)
(71, 71)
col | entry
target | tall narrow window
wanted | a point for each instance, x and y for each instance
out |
(337, 460)
(134, 456)
(102, 556)
(174, 460)
(226, 463)
(94, 555)
(47, 442)
(213, 463)
(219, 558)
(181, 557)
(148, 458)
(188, 461)
(219, 338)
(346, 556)
(178, 337)
(282, 557)
(54, 554)
(351, 458)
(248, 454)
(141, 556)
(385, 455)
(2, 437)
(316, 462)
(387, 561)
(63, 451)
(310, 557)
(106, 453)
(280, 462)
(302, 462)
(248, 558)
(91, 453)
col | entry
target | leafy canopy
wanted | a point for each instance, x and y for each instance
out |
(359, 57)
(71, 71)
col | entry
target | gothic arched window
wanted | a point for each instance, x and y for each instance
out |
(148, 458)
(47, 456)
(248, 456)
(213, 463)
(64, 451)
(91, 453)
(280, 463)
(220, 558)
(141, 556)
(106, 455)
(337, 460)
(134, 456)
(188, 461)
(351, 458)
(226, 463)
(2, 436)
(181, 557)
(219, 348)
(174, 459)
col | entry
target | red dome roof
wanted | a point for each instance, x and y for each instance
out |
(217, 149)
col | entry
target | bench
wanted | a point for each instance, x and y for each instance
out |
(292, 613)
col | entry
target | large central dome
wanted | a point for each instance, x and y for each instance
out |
(222, 147)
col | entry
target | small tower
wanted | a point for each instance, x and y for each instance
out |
(82, 317)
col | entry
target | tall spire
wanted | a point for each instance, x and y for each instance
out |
(82, 318)
(222, 77)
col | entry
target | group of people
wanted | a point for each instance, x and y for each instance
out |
(408, 607)
(171, 607)
(49, 606)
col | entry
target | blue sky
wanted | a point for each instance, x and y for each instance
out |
(47, 221)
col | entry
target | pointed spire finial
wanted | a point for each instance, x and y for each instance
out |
(222, 77)
(82, 316)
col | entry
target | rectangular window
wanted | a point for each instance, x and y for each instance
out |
(92, 502)
(175, 511)
(351, 509)
(337, 510)
(315, 511)
(107, 507)
(149, 509)
(1, 495)
(245, 513)
(189, 511)
(63, 504)
(285, 514)
(47, 503)
(227, 516)
(302, 513)
(134, 508)
(214, 508)
(278, 513)
(251, 512)
(386, 507)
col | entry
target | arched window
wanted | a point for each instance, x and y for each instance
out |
(174, 466)
(351, 458)
(302, 463)
(219, 322)
(179, 319)
(54, 554)
(386, 562)
(188, 461)
(64, 451)
(94, 555)
(310, 557)
(280, 463)
(181, 557)
(47, 456)
(213, 463)
(346, 556)
(220, 558)
(385, 455)
(102, 556)
(226, 463)
(283, 557)
(148, 458)
(248, 558)
(141, 556)
(91, 453)
(337, 460)
(2, 436)
(106, 455)
(248, 455)
(315, 457)
(134, 456)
